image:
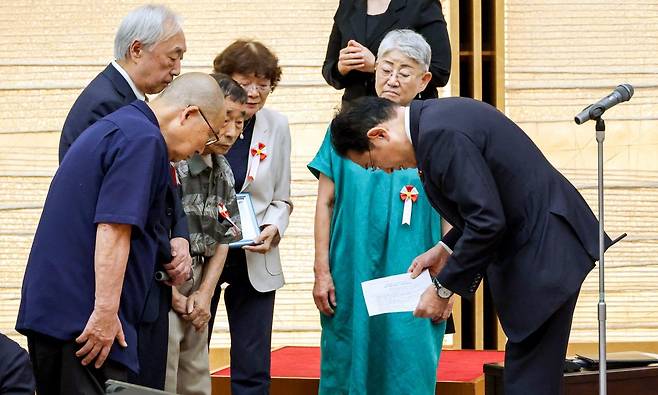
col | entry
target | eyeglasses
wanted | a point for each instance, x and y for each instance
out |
(261, 88)
(402, 77)
(215, 137)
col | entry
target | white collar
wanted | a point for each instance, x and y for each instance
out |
(130, 82)
(407, 123)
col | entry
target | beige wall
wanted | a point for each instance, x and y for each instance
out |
(561, 56)
(53, 48)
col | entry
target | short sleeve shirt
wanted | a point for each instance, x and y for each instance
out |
(115, 172)
(209, 202)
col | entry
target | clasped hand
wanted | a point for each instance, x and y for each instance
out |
(355, 56)
(194, 308)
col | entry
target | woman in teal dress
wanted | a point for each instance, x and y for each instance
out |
(359, 236)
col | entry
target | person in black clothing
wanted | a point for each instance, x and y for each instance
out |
(16, 375)
(359, 27)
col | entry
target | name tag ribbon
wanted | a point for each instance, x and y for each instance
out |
(223, 212)
(258, 154)
(409, 195)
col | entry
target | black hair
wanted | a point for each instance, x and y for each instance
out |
(350, 125)
(230, 87)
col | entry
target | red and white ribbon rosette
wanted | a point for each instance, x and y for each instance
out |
(223, 213)
(409, 195)
(258, 154)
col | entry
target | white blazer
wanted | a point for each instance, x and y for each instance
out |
(270, 194)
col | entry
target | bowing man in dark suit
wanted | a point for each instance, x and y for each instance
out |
(517, 221)
(360, 26)
(148, 48)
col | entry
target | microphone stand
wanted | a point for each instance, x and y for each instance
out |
(603, 384)
(622, 93)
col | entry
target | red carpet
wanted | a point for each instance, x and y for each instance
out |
(304, 362)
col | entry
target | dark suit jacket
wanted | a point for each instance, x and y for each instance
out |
(16, 375)
(516, 218)
(105, 94)
(422, 16)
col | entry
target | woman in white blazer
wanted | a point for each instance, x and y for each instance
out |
(260, 161)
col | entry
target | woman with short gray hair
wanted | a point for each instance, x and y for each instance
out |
(357, 212)
(410, 44)
(359, 27)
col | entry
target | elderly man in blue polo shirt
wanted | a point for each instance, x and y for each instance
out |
(93, 254)
(148, 49)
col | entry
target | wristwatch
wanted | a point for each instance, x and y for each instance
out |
(441, 291)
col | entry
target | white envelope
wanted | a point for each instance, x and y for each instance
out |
(394, 294)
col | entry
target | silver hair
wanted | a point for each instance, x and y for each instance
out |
(148, 24)
(410, 43)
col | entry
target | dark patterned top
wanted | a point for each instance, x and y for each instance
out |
(205, 192)
(238, 155)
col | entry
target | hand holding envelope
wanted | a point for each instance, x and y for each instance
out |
(432, 306)
(401, 293)
(394, 294)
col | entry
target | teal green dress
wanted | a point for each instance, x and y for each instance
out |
(388, 353)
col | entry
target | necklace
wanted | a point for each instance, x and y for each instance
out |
(247, 124)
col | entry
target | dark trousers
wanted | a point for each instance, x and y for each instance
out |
(153, 339)
(250, 315)
(535, 365)
(58, 371)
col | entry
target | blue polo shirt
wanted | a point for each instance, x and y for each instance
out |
(116, 172)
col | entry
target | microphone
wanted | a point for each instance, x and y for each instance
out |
(622, 93)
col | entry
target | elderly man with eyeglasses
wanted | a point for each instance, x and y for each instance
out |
(92, 260)
(148, 50)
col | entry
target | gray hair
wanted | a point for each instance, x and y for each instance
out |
(410, 43)
(148, 24)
